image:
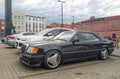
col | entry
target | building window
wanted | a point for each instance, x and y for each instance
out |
(26, 18)
(42, 20)
(22, 22)
(22, 17)
(18, 17)
(40, 24)
(18, 27)
(36, 26)
(29, 27)
(15, 22)
(114, 25)
(15, 17)
(33, 24)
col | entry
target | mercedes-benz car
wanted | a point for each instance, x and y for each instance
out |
(66, 47)
(43, 35)
(10, 39)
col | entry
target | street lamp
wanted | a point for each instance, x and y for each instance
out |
(73, 18)
(73, 25)
(62, 25)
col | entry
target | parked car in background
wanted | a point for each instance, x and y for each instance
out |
(43, 35)
(10, 39)
(3, 40)
(66, 47)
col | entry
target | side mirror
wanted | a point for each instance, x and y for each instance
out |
(75, 40)
(48, 34)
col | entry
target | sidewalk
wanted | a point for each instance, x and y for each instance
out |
(116, 52)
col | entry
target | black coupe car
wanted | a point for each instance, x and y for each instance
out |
(66, 47)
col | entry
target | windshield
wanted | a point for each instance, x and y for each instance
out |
(66, 36)
(43, 32)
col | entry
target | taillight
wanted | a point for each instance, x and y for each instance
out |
(11, 37)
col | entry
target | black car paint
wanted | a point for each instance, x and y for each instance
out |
(69, 50)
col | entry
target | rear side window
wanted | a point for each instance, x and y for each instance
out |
(25, 34)
(86, 37)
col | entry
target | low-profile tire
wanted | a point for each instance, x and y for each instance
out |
(52, 59)
(103, 54)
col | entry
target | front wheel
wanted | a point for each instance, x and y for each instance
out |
(104, 54)
(52, 59)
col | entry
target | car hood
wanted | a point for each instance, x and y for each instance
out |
(31, 38)
(46, 42)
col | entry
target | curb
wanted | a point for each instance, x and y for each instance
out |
(115, 55)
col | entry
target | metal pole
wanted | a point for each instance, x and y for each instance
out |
(73, 19)
(73, 25)
(62, 25)
(8, 13)
(62, 14)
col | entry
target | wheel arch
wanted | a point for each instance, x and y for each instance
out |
(58, 50)
(105, 46)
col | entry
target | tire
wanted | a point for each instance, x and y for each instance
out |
(104, 54)
(52, 59)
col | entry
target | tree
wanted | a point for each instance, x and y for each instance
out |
(48, 27)
(13, 29)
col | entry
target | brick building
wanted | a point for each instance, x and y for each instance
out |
(54, 25)
(105, 26)
(2, 25)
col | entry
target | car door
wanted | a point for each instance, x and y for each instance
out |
(93, 42)
(76, 50)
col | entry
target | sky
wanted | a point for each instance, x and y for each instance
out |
(51, 9)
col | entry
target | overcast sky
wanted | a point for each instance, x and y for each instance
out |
(50, 9)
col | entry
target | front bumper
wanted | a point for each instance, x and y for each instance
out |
(18, 45)
(31, 60)
(10, 43)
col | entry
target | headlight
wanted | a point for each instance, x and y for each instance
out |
(32, 50)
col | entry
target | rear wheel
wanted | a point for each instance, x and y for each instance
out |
(104, 54)
(52, 59)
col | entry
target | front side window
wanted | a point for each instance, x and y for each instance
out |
(43, 32)
(54, 32)
(86, 37)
